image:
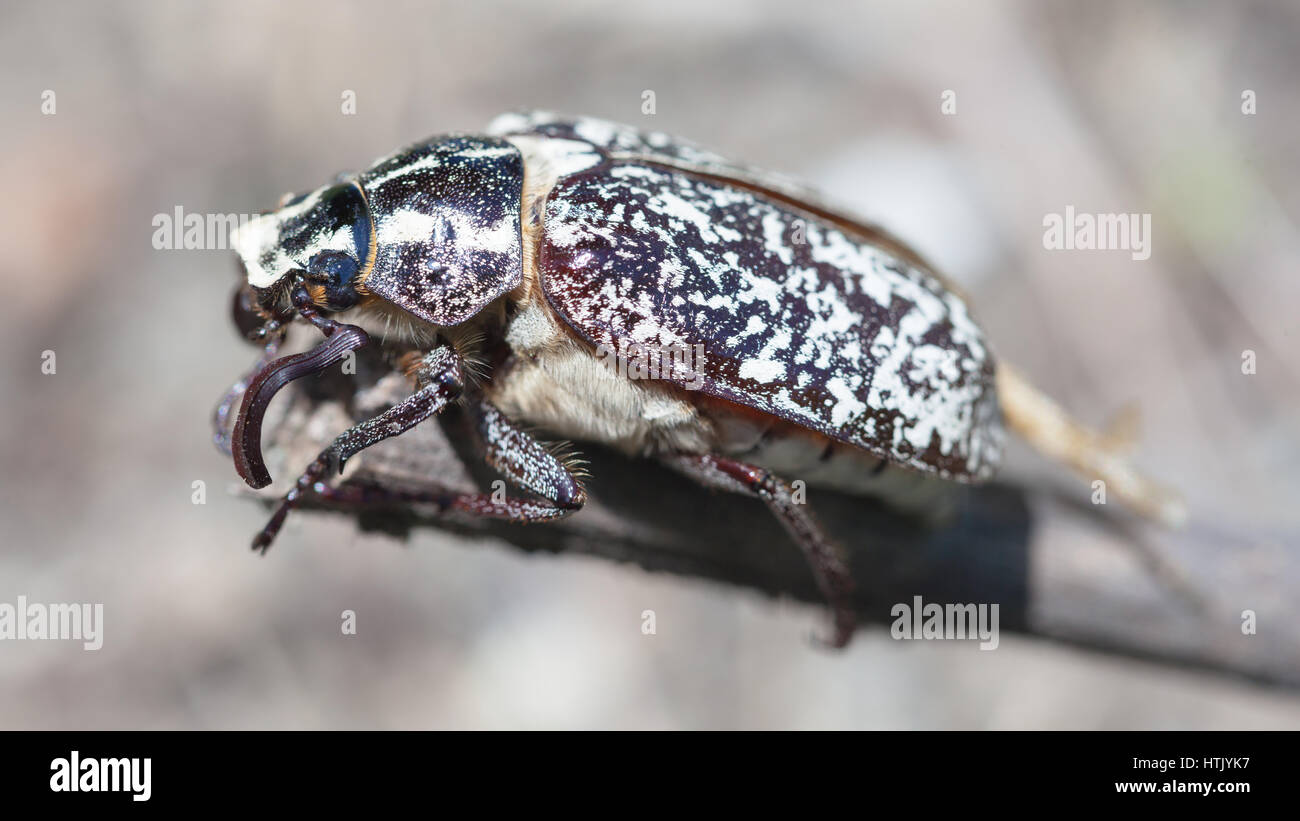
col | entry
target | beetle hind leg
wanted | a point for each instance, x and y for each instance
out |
(826, 559)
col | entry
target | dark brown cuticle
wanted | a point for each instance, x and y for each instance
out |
(247, 437)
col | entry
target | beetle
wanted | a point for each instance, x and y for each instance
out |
(826, 348)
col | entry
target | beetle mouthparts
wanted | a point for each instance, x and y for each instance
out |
(247, 436)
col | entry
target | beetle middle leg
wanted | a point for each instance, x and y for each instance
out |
(829, 565)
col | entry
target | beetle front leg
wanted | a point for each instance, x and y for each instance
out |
(826, 559)
(439, 381)
(509, 450)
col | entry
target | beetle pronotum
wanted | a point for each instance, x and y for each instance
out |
(829, 351)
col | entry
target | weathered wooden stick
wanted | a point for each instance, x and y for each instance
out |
(1065, 570)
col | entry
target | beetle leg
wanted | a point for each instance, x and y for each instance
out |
(516, 455)
(439, 381)
(829, 566)
(509, 450)
(506, 447)
(510, 509)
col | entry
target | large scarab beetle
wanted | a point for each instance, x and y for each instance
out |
(636, 290)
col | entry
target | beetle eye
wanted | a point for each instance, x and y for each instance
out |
(332, 267)
(336, 271)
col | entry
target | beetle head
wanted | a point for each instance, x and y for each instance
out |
(313, 252)
(324, 239)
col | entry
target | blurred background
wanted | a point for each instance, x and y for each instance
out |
(221, 107)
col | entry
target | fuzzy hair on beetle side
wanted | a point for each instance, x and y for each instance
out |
(557, 378)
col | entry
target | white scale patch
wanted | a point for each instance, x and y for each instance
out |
(561, 158)
(408, 227)
(618, 140)
(258, 242)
